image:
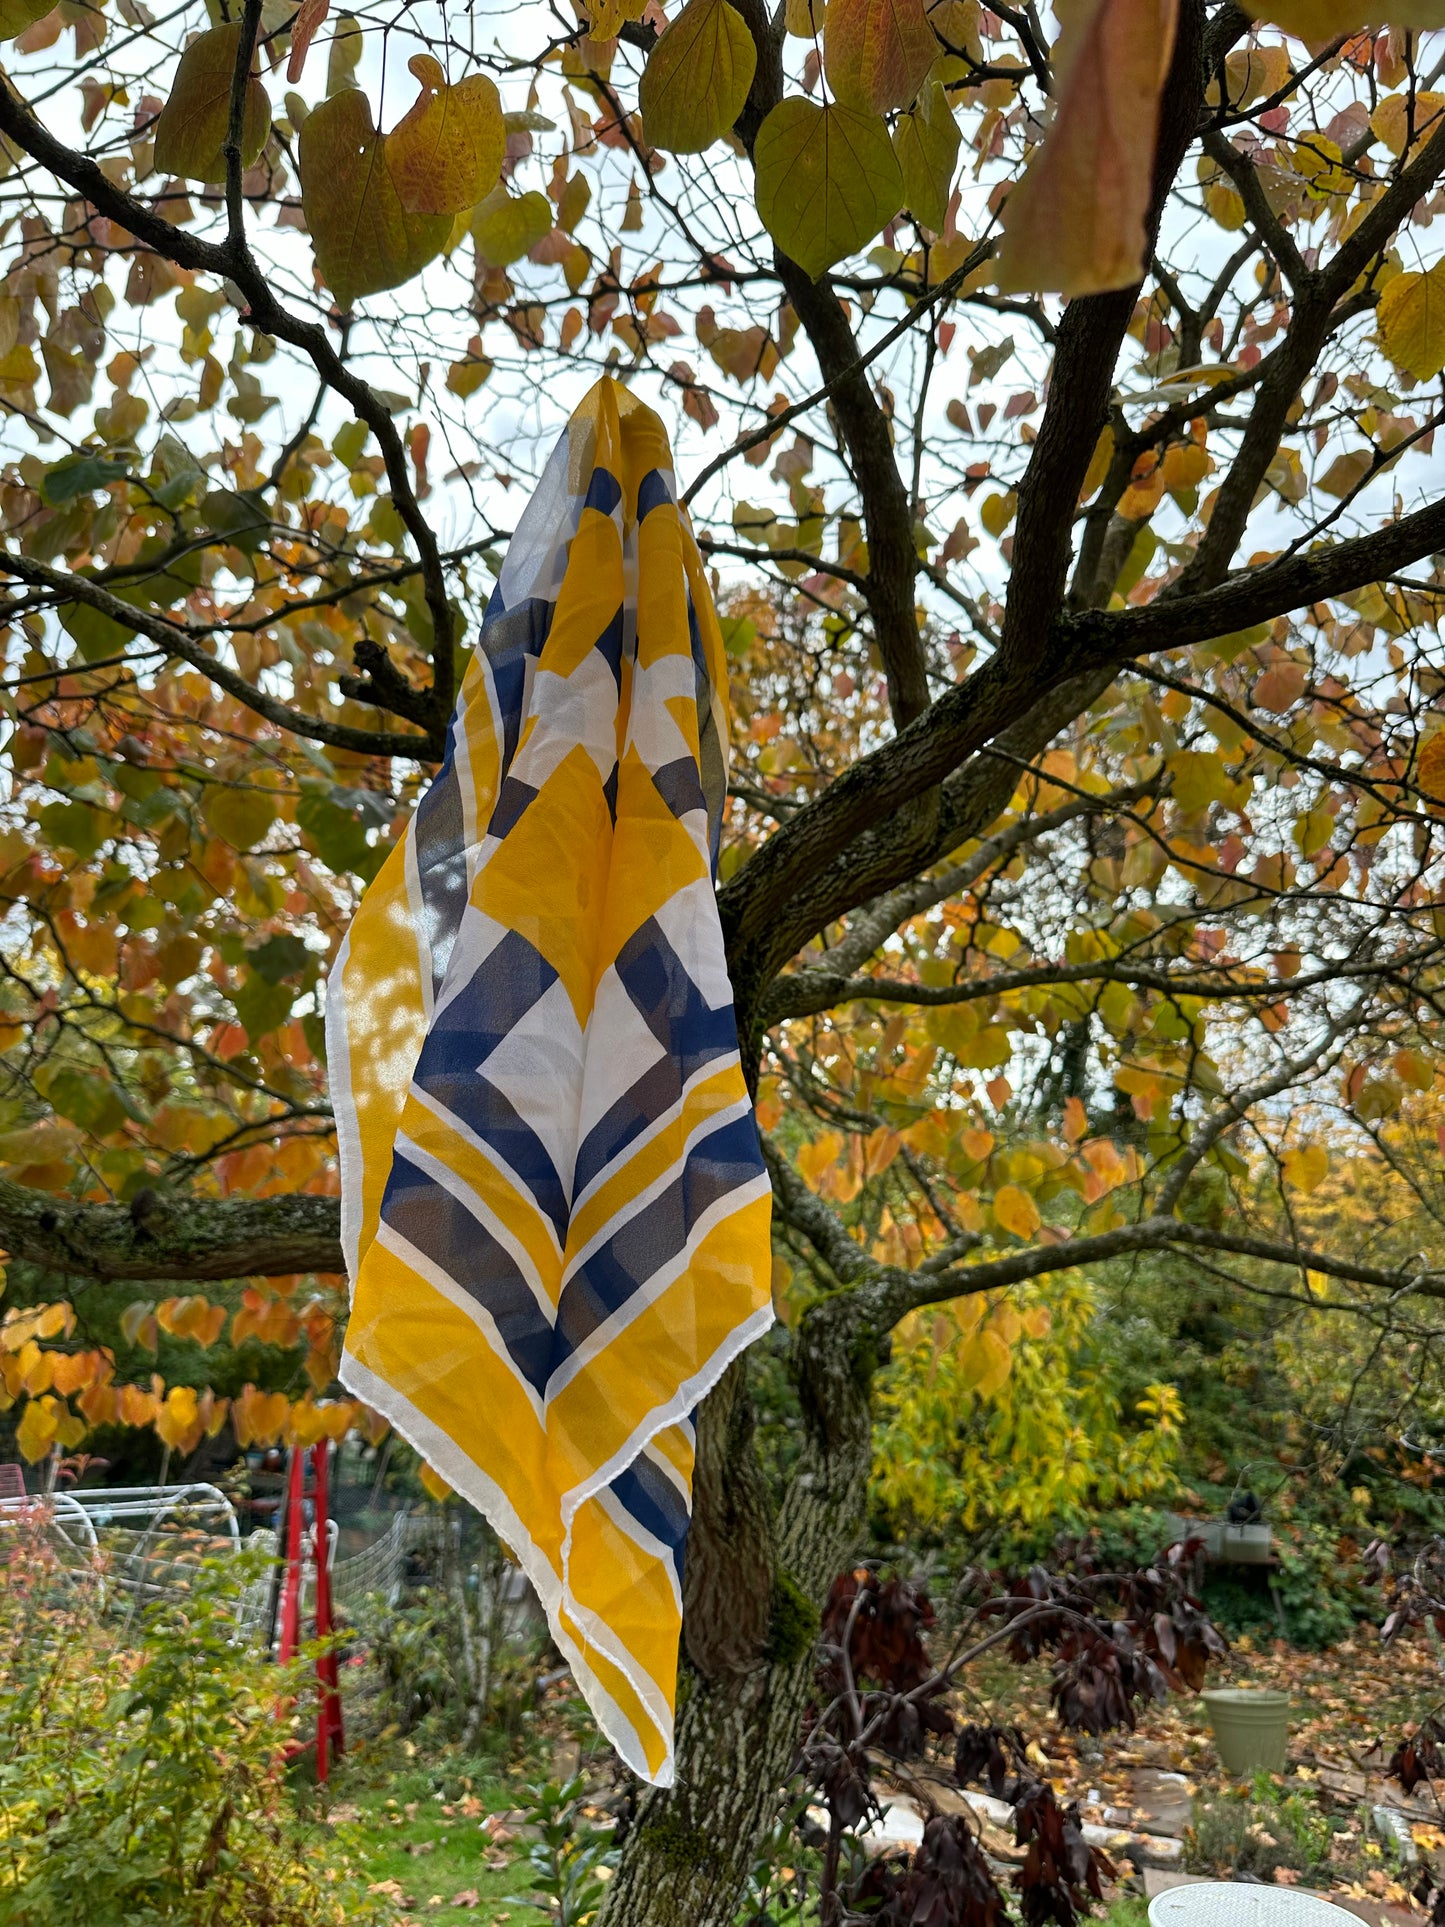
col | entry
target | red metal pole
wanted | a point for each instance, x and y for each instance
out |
(329, 1736)
(291, 1583)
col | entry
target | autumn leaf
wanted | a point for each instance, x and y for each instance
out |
(877, 53)
(1430, 767)
(364, 238)
(1318, 21)
(447, 151)
(308, 23)
(241, 816)
(827, 180)
(1411, 322)
(985, 1362)
(1075, 222)
(191, 128)
(1016, 1211)
(1307, 1167)
(506, 225)
(926, 141)
(1402, 120)
(697, 77)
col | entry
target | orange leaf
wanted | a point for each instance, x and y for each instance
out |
(1075, 222)
(307, 24)
(1430, 770)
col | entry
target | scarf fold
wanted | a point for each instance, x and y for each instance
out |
(554, 1206)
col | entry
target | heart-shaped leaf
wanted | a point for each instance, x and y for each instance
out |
(877, 53)
(827, 180)
(448, 151)
(191, 128)
(927, 142)
(364, 238)
(697, 77)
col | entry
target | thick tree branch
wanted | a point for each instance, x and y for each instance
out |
(155, 1238)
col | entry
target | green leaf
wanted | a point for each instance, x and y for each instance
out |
(262, 1007)
(242, 518)
(281, 957)
(926, 142)
(697, 77)
(506, 225)
(877, 53)
(86, 1099)
(78, 475)
(338, 834)
(17, 15)
(448, 150)
(827, 180)
(191, 129)
(97, 636)
(78, 827)
(240, 817)
(364, 238)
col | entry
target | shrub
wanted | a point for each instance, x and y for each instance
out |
(145, 1784)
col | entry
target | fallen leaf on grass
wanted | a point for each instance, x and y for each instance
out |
(391, 1888)
(468, 1897)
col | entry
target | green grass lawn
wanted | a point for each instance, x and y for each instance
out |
(417, 1838)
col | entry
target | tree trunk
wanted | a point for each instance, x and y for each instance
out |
(757, 1576)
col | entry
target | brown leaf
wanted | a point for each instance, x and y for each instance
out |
(1075, 222)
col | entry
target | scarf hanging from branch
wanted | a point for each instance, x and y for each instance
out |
(554, 1206)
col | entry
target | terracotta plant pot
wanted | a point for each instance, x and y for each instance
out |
(1251, 1728)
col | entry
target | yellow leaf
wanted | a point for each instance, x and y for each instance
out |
(177, 1416)
(1402, 122)
(697, 77)
(505, 225)
(1098, 464)
(805, 19)
(364, 238)
(877, 53)
(447, 152)
(1185, 465)
(36, 1431)
(1316, 21)
(827, 180)
(1015, 1211)
(814, 1158)
(1411, 322)
(997, 512)
(1075, 222)
(1306, 1168)
(985, 1362)
(191, 127)
(1198, 778)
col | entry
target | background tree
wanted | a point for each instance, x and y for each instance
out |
(1085, 815)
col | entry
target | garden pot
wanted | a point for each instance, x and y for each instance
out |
(1251, 1728)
